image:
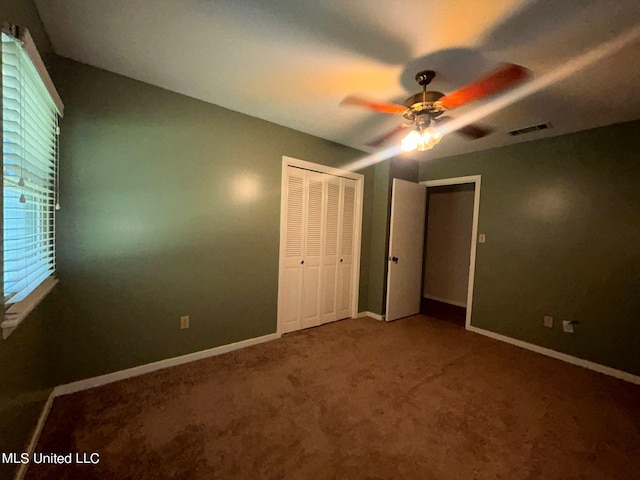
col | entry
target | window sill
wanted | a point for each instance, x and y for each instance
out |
(17, 312)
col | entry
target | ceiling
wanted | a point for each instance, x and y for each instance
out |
(292, 61)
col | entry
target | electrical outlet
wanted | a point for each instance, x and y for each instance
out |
(184, 321)
(548, 321)
(567, 325)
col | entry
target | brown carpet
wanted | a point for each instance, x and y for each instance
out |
(357, 399)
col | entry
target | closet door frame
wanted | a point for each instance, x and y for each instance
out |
(357, 241)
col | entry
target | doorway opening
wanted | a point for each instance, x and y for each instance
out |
(447, 252)
(407, 246)
(448, 307)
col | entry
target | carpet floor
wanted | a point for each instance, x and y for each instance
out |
(356, 399)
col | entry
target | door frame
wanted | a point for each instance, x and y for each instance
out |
(355, 274)
(476, 180)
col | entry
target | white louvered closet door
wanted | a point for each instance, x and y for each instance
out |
(317, 266)
(290, 296)
(346, 247)
(328, 297)
(313, 236)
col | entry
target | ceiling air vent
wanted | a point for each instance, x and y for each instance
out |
(534, 128)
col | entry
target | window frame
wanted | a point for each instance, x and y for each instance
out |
(15, 313)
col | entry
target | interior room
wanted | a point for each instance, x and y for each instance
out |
(298, 239)
(447, 254)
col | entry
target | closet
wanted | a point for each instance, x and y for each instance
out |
(317, 248)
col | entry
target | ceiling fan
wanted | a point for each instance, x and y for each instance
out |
(423, 110)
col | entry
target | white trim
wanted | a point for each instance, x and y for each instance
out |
(375, 316)
(444, 300)
(622, 375)
(355, 274)
(162, 364)
(22, 469)
(17, 312)
(443, 182)
(357, 241)
(476, 179)
(317, 167)
(283, 208)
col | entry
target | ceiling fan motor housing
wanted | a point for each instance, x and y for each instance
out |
(423, 102)
(423, 121)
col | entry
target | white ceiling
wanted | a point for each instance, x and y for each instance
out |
(292, 61)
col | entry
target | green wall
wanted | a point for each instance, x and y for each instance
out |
(25, 357)
(379, 238)
(170, 207)
(562, 221)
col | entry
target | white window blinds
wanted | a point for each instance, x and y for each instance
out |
(29, 147)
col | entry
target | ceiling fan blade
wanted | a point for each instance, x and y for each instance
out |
(376, 142)
(473, 131)
(381, 107)
(505, 76)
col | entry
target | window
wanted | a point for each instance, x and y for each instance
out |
(30, 110)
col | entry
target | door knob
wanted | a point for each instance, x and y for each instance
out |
(394, 259)
(340, 260)
(301, 262)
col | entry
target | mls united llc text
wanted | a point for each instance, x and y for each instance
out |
(54, 458)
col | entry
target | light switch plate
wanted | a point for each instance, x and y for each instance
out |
(481, 238)
(567, 326)
(548, 321)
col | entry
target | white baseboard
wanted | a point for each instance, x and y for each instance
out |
(152, 367)
(371, 314)
(622, 375)
(22, 470)
(444, 300)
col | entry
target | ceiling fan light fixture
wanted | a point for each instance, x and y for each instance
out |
(421, 141)
(410, 142)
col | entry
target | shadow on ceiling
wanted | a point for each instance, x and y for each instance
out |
(319, 21)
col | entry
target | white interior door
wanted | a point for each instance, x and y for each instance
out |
(406, 242)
